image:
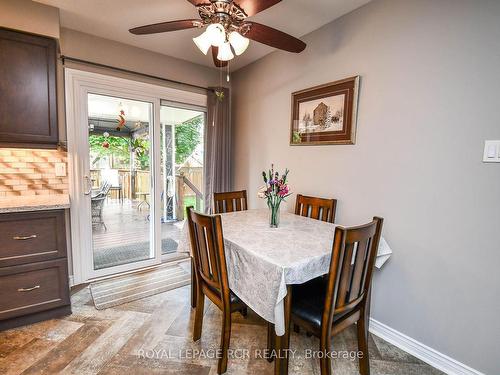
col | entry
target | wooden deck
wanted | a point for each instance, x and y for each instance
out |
(126, 224)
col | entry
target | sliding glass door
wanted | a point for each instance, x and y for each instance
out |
(181, 172)
(121, 180)
(119, 229)
(135, 165)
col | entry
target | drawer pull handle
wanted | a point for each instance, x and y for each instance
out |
(21, 238)
(28, 289)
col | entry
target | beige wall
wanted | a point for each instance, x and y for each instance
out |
(29, 16)
(104, 51)
(429, 98)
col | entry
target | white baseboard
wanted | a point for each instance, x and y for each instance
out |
(423, 352)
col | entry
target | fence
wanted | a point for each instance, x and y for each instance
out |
(189, 183)
(141, 181)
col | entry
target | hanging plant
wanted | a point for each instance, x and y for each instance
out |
(219, 95)
(137, 146)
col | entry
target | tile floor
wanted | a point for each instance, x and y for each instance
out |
(153, 336)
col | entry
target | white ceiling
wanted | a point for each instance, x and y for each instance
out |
(111, 19)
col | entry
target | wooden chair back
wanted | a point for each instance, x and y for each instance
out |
(316, 208)
(230, 201)
(207, 244)
(353, 259)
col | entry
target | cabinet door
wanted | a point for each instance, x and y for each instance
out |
(33, 287)
(28, 104)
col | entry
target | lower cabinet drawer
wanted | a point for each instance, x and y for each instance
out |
(28, 237)
(34, 287)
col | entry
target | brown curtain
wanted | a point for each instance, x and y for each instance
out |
(217, 159)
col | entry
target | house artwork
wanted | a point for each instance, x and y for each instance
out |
(320, 114)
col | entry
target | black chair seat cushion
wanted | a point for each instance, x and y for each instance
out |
(308, 302)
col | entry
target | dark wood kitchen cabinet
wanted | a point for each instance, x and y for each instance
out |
(28, 102)
(34, 283)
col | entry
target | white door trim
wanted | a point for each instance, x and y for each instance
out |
(77, 85)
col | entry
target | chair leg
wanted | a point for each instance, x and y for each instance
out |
(362, 328)
(224, 341)
(198, 317)
(193, 286)
(270, 341)
(325, 361)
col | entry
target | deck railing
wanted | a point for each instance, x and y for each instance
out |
(182, 183)
(139, 181)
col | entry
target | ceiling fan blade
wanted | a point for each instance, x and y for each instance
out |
(217, 62)
(274, 38)
(252, 7)
(163, 27)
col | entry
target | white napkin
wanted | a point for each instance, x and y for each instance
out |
(384, 252)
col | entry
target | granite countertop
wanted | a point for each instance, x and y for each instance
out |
(34, 203)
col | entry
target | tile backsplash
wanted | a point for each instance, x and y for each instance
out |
(31, 172)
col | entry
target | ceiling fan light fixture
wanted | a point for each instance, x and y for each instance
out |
(216, 34)
(203, 42)
(239, 42)
(225, 53)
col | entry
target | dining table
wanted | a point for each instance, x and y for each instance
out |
(263, 263)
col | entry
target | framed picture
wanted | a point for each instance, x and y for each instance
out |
(326, 114)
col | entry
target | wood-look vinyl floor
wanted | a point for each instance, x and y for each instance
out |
(153, 336)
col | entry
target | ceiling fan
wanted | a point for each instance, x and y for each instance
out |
(227, 29)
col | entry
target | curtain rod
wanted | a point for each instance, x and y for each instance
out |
(74, 59)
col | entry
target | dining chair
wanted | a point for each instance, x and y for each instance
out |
(210, 269)
(327, 306)
(316, 208)
(230, 201)
(223, 202)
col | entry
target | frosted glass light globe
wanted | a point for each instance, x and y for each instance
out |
(225, 53)
(203, 42)
(216, 34)
(239, 42)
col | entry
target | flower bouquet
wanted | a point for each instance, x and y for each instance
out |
(275, 191)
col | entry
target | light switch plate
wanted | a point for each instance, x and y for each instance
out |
(491, 152)
(60, 169)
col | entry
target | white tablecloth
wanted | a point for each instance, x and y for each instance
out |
(261, 260)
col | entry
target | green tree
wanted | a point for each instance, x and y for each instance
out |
(118, 147)
(187, 137)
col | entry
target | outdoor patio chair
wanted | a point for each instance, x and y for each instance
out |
(103, 190)
(96, 206)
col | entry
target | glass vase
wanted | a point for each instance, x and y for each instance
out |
(274, 216)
